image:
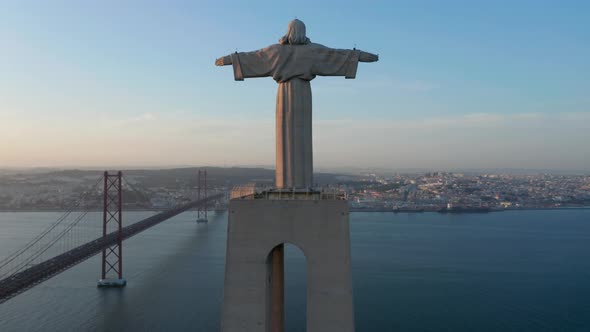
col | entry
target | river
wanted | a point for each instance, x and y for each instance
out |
(509, 271)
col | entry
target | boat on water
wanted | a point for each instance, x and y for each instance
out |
(464, 209)
(460, 209)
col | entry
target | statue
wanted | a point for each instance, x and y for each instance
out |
(293, 63)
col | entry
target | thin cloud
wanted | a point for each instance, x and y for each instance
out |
(142, 118)
(474, 120)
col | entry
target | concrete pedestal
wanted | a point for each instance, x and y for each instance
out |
(256, 228)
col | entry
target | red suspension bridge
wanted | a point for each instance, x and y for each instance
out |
(74, 237)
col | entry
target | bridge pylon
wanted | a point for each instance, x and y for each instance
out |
(202, 194)
(112, 217)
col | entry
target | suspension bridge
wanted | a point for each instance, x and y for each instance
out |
(92, 226)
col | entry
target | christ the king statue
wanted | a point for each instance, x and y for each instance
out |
(293, 63)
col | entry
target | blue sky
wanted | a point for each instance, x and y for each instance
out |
(459, 84)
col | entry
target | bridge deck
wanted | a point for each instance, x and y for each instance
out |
(20, 282)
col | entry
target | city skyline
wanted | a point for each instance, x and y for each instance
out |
(458, 85)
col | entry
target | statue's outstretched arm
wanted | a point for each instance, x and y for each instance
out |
(368, 57)
(223, 61)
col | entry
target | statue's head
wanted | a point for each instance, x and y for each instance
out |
(295, 34)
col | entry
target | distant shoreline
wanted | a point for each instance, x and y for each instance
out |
(471, 212)
(351, 210)
(64, 210)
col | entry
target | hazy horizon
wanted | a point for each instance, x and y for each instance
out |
(336, 170)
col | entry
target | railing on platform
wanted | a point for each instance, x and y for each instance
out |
(252, 191)
(243, 191)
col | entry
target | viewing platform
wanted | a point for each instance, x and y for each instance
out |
(251, 192)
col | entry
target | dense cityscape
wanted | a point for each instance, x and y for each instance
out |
(433, 191)
(456, 192)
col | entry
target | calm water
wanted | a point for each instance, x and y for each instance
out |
(510, 271)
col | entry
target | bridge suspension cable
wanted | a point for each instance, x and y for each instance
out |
(76, 236)
(40, 244)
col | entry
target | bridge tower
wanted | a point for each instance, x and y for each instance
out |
(202, 194)
(112, 224)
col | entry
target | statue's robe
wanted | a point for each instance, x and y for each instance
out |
(293, 67)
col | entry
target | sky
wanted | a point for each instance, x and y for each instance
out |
(458, 85)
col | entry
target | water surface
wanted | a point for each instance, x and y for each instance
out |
(509, 271)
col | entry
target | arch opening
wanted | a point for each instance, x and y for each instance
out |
(286, 289)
